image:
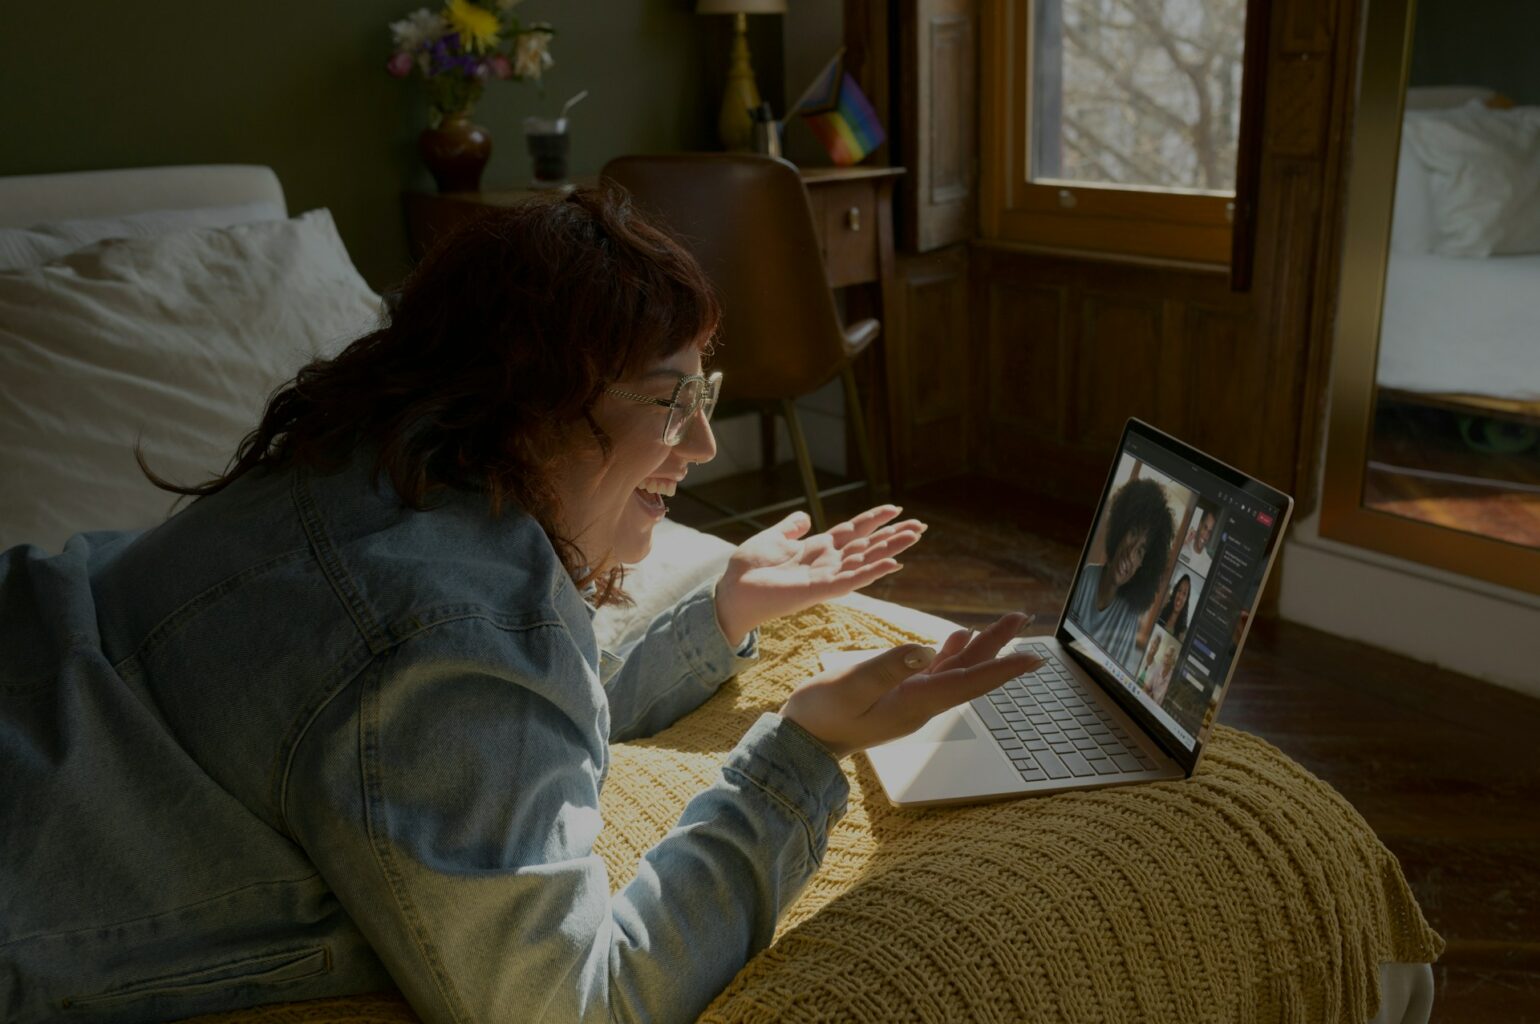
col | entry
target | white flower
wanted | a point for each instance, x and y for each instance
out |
(418, 29)
(532, 54)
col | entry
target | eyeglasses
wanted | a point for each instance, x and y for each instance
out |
(695, 393)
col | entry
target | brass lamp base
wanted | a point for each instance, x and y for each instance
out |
(742, 95)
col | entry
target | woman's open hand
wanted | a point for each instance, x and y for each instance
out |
(778, 571)
(896, 692)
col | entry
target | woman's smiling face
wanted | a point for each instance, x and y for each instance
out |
(1129, 556)
(611, 505)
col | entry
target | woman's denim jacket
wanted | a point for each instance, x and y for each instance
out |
(300, 741)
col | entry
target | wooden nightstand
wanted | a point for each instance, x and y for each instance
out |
(431, 214)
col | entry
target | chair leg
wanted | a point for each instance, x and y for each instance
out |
(767, 455)
(855, 419)
(804, 463)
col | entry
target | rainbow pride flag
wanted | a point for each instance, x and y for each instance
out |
(840, 115)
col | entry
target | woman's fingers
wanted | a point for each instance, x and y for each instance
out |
(875, 678)
(856, 541)
(863, 524)
(868, 549)
(934, 692)
(949, 648)
(988, 641)
(866, 575)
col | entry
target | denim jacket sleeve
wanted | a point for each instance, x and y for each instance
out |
(670, 670)
(449, 795)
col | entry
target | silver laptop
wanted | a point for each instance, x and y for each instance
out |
(1144, 649)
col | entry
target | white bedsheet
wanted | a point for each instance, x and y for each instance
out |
(1462, 326)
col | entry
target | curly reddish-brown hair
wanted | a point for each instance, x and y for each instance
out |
(503, 338)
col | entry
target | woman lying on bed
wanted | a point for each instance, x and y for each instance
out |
(341, 723)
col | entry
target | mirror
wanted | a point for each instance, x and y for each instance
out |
(1433, 447)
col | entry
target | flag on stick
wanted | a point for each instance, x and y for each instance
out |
(840, 114)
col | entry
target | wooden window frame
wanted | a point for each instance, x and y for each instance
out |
(1116, 220)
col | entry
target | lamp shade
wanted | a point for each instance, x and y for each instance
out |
(740, 6)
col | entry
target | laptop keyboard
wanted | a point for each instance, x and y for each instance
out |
(1050, 727)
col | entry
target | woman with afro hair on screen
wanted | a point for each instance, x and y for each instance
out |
(1114, 594)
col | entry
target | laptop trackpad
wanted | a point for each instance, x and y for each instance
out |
(949, 725)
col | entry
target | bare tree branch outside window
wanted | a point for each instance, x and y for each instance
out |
(1143, 93)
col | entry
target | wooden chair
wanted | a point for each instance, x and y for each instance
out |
(746, 219)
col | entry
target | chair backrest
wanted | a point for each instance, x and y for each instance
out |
(747, 220)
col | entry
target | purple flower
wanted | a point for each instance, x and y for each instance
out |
(440, 57)
(399, 65)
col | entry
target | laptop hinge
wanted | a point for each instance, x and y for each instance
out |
(1113, 690)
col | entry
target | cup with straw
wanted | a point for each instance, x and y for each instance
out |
(549, 145)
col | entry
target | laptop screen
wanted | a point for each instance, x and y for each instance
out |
(1179, 550)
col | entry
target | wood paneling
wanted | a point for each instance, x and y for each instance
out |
(1308, 26)
(937, 133)
(1296, 106)
(1115, 366)
(1221, 347)
(1024, 386)
(929, 349)
(1236, 373)
(951, 111)
(1067, 344)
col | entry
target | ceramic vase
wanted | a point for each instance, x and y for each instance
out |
(456, 152)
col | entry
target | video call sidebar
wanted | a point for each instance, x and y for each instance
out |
(1239, 555)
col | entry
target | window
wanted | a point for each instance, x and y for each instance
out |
(1114, 125)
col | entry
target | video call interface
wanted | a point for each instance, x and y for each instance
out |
(1174, 559)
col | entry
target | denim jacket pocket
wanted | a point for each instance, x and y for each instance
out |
(609, 664)
(269, 969)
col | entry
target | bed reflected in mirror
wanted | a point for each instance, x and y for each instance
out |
(1456, 429)
(1433, 450)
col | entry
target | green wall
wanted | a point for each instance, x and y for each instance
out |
(1479, 42)
(300, 86)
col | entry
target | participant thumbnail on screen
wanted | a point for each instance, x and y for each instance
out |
(1181, 598)
(1159, 664)
(1202, 537)
(1130, 558)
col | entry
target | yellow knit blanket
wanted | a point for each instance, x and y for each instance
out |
(1250, 893)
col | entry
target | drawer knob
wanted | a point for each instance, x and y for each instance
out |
(853, 218)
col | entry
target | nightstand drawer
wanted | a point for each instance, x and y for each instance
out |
(846, 215)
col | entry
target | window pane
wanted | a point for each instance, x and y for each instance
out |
(1142, 93)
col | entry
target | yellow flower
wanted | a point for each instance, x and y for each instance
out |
(477, 25)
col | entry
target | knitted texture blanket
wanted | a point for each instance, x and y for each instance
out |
(1252, 892)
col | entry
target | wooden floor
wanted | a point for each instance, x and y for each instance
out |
(1443, 767)
(1422, 468)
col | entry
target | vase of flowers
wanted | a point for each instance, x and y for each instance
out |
(456, 50)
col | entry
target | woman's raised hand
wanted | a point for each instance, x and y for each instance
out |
(896, 692)
(778, 571)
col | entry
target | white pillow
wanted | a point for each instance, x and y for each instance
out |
(41, 243)
(1484, 175)
(179, 340)
(1438, 97)
(1412, 228)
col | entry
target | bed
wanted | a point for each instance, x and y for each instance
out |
(57, 484)
(1460, 327)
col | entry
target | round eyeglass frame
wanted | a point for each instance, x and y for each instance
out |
(679, 416)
